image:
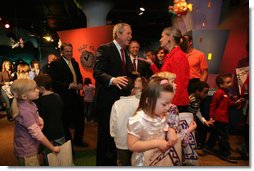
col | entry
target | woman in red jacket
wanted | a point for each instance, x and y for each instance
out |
(176, 62)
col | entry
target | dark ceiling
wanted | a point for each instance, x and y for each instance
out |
(39, 17)
(48, 16)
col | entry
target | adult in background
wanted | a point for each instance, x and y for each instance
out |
(45, 68)
(67, 82)
(35, 69)
(198, 72)
(151, 54)
(176, 62)
(160, 55)
(111, 67)
(139, 66)
(7, 76)
(197, 62)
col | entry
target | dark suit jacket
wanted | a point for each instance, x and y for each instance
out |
(143, 69)
(108, 64)
(62, 77)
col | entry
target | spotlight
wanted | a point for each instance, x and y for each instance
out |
(7, 25)
(48, 38)
(142, 9)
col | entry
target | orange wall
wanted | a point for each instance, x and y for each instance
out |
(86, 39)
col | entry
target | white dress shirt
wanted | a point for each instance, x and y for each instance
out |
(121, 110)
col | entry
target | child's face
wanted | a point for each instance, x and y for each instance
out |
(163, 103)
(202, 94)
(33, 95)
(138, 84)
(227, 84)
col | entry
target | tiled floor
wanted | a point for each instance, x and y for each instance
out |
(8, 159)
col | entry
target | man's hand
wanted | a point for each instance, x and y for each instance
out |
(147, 60)
(76, 86)
(120, 81)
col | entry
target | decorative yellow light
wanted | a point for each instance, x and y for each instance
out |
(209, 56)
(48, 38)
(190, 7)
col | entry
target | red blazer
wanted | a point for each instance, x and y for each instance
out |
(177, 62)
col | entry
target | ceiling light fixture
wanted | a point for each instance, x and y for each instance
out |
(48, 38)
(141, 11)
(7, 25)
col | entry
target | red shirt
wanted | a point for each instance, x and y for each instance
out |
(176, 62)
(219, 106)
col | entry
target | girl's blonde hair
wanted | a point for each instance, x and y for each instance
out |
(22, 86)
(165, 75)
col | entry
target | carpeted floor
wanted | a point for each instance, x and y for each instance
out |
(86, 156)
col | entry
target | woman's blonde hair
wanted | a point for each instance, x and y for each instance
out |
(3, 65)
(23, 70)
(165, 75)
(22, 86)
(175, 33)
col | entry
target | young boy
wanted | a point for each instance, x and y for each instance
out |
(200, 90)
(122, 109)
(50, 107)
(219, 107)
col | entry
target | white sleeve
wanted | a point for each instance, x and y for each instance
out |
(200, 117)
(113, 122)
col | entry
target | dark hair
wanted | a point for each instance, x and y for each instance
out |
(161, 48)
(87, 81)
(185, 44)
(33, 62)
(44, 80)
(220, 78)
(200, 85)
(126, 91)
(150, 94)
(150, 50)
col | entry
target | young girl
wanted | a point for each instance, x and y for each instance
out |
(178, 134)
(147, 128)
(89, 95)
(28, 124)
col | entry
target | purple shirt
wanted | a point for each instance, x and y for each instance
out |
(24, 143)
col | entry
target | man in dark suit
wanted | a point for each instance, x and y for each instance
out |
(110, 70)
(139, 66)
(67, 81)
